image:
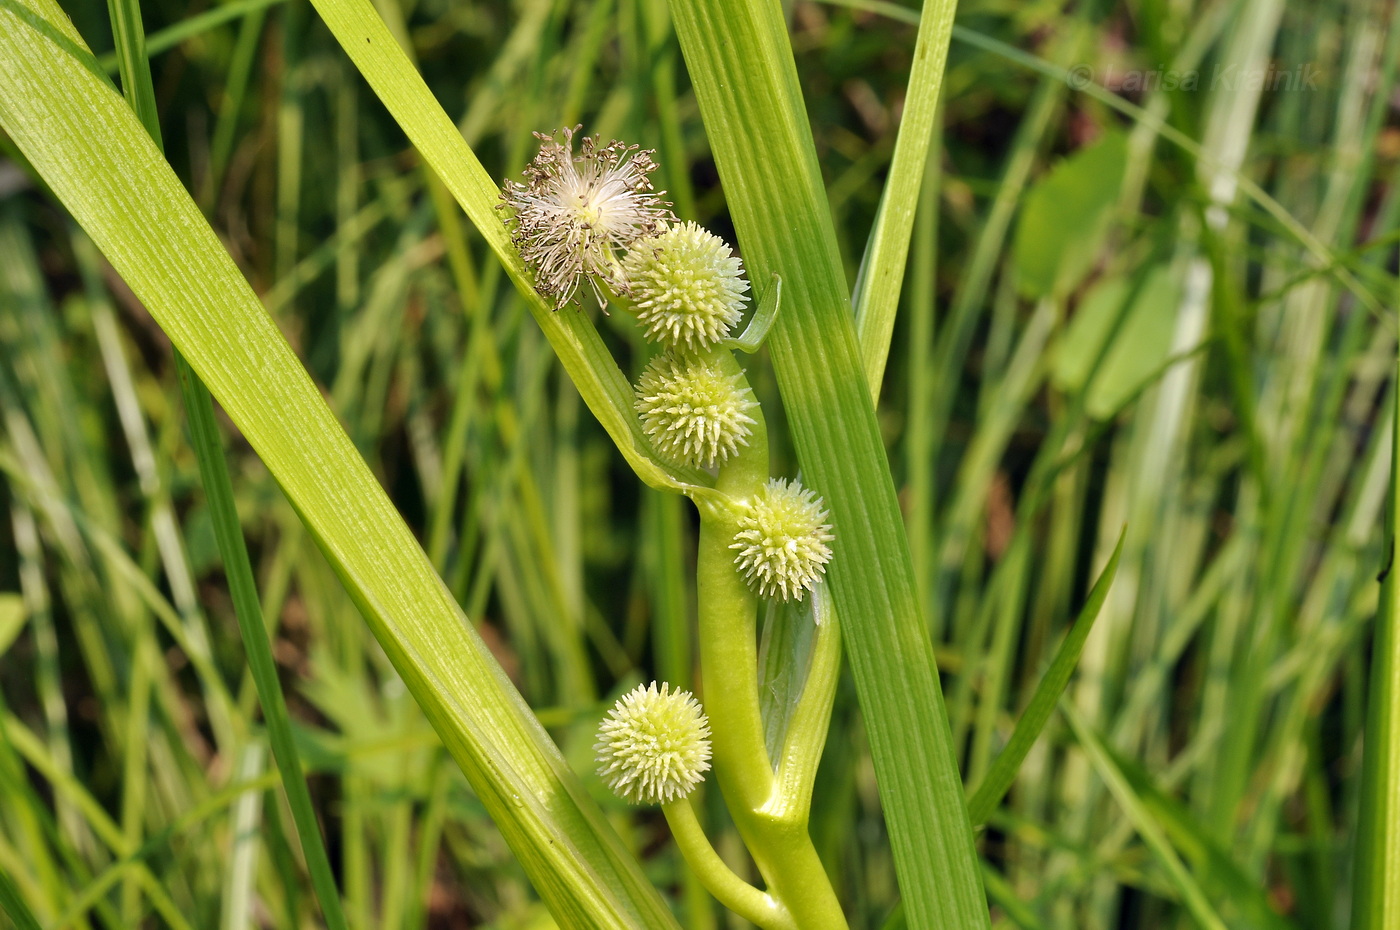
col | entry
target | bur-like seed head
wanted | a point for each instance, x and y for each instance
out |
(782, 540)
(654, 745)
(575, 212)
(691, 411)
(687, 287)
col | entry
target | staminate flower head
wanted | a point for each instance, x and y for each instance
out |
(687, 287)
(574, 212)
(693, 412)
(782, 540)
(654, 746)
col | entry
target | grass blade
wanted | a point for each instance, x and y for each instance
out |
(14, 907)
(1042, 704)
(882, 272)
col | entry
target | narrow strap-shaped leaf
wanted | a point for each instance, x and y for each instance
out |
(129, 34)
(79, 134)
(745, 79)
(882, 270)
(196, 25)
(1042, 704)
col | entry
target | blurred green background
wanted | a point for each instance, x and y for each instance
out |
(1152, 285)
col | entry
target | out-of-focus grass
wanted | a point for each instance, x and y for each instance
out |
(1204, 378)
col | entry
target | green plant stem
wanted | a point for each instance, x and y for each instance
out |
(728, 615)
(719, 880)
(775, 832)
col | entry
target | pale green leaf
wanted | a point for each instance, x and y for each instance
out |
(1066, 217)
(1376, 904)
(84, 140)
(1141, 342)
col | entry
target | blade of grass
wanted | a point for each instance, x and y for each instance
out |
(173, 35)
(239, 887)
(57, 106)
(1042, 704)
(882, 271)
(745, 79)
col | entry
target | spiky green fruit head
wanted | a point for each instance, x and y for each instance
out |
(693, 412)
(687, 287)
(782, 540)
(654, 745)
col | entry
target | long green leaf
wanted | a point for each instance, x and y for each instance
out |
(745, 79)
(196, 25)
(129, 34)
(1047, 694)
(80, 135)
(882, 271)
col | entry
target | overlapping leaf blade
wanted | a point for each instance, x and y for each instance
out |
(84, 140)
(741, 65)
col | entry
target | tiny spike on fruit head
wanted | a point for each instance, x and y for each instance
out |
(693, 412)
(654, 745)
(574, 212)
(782, 540)
(687, 287)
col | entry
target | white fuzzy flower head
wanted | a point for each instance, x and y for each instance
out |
(693, 412)
(687, 287)
(782, 540)
(576, 211)
(654, 745)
